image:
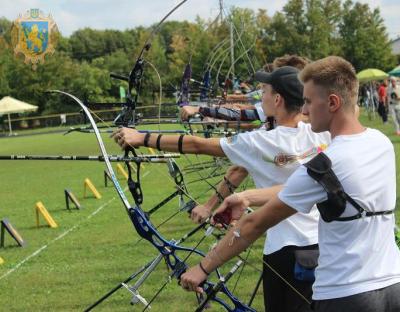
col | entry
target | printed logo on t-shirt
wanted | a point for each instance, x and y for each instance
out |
(282, 159)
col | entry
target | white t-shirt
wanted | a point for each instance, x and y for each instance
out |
(359, 255)
(256, 151)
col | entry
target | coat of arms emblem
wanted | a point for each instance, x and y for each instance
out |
(34, 35)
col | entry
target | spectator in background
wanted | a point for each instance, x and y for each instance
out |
(383, 101)
(362, 95)
(394, 107)
(375, 96)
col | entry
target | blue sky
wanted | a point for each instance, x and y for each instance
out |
(71, 15)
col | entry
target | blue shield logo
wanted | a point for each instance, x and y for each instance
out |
(35, 34)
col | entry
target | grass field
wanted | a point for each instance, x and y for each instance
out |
(93, 249)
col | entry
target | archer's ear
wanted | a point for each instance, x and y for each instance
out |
(335, 102)
(278, 100)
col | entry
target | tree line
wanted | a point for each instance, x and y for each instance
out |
(83, 61)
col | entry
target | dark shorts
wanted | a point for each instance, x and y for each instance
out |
(380, 300)
(278, 296)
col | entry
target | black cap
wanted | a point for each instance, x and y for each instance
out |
(285, 81)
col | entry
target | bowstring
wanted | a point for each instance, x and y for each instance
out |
(185, 192)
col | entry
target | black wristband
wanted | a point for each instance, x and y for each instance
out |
(159, 142)
(203, 269)
(220, 197)
(204, 111)
(229, 183)
(146, 139)
(180, 143)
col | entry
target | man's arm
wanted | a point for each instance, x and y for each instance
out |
(225, 112)
(259, 197)
(247, 230)
(127, 137)
(237, 204)
(237, 97)
(232, 179)
(240, 106)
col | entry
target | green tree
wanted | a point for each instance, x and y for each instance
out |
(322, 19)
(5, 26)
(88, 44)
(305, 27)
(5, 60)
(287, 32)
(364, 39)
(263, 22)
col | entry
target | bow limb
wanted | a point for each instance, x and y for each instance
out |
(238, 58)
(144, 227)
(184, 97)
(173, 168)
(205, 89)
(183, 100)
(135, 75)
(102, 149)
(214, 51)
(239, 37)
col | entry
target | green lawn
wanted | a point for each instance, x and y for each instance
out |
(93, 249)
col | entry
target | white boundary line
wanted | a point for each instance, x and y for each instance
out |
(62, 235)
(54, 240)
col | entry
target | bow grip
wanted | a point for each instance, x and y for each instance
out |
(224, 218)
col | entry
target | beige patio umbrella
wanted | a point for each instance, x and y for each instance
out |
(9, 105)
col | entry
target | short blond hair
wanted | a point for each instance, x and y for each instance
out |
(335, 75)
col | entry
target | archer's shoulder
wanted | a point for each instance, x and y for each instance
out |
(378, 136)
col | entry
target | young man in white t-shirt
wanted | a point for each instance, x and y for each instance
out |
(359, 264)
(270, 157)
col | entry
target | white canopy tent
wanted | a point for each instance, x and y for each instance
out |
(9, 105)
